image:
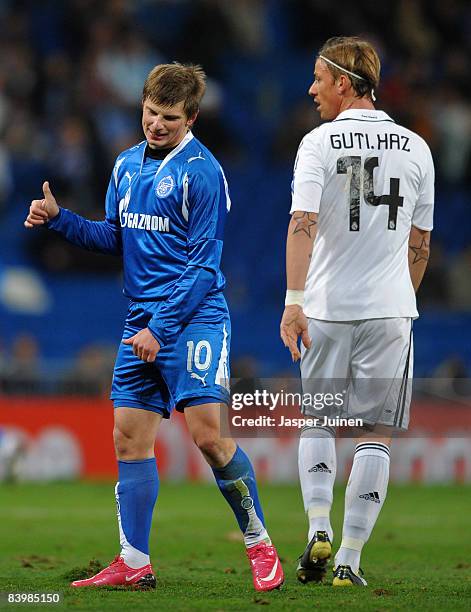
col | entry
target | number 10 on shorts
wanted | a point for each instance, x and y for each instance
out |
(198, 356)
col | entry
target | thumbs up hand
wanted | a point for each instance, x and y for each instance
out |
(42, 211)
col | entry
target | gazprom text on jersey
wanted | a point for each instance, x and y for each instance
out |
(145, 222)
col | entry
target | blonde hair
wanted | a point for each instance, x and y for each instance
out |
(169, 84)
(355, 56)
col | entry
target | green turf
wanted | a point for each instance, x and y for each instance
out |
(419, 557)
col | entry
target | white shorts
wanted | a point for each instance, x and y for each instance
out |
(365, 365)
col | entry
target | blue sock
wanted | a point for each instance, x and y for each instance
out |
(237, 483)
(136, 493)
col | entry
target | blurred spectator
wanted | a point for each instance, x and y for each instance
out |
(452, 378)
(245, 367)
(24, 138)
(460, 281)
(91, 374)
(453, 125)
(214, 38)
(125, 64)
(435, 288)
(248, 21)
(6, 178)
(212, 128)
(245, 372)
(413, 29)
(22, 371)
(58, 95)
(72, 157)
(3, 358)
(301, 120)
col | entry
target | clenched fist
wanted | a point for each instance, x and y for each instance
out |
(42, 211)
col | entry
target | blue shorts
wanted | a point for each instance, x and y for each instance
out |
(193, 371)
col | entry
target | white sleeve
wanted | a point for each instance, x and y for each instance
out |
(423, 211)
(308, 178)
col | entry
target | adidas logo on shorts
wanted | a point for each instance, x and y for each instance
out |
(371, 497)
(320, 467)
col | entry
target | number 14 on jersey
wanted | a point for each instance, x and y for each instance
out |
(361, 186)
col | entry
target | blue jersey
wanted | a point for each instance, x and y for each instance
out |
(166, 217)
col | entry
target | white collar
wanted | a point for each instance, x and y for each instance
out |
(188, 138)
(363, 114)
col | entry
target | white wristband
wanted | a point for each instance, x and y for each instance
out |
(294, 297)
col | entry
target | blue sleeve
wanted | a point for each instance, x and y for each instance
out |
(208, 202)
(102, 236)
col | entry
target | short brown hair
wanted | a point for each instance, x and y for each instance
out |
(355, 55)
(169, 84)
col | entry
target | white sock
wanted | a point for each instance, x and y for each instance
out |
(134, 558)
(317, 464)
(364, 498)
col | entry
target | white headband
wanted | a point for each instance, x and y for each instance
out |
(357, 76)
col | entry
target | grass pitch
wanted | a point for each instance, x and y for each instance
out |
(419, 557)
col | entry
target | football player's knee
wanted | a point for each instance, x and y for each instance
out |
(207, 443)
(124, 445)
(211, 445)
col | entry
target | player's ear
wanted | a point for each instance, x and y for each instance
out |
(190, 121)
(343, 82)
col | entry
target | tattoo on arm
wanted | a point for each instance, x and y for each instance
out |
(421, 252)
(304, 222)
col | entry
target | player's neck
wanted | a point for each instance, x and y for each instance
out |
(159, 154)
(356, 103)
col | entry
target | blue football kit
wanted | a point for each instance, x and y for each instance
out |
(166, 218)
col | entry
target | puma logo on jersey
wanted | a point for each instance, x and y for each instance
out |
(129, 176)
(124, 202)
(201, 378)
(199, 156)
(145, 222)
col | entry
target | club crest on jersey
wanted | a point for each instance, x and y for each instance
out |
(247, 502)
(165, 186)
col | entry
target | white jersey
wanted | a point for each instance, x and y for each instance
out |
(370, 180)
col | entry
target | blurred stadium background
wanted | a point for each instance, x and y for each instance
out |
(71, 73)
